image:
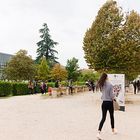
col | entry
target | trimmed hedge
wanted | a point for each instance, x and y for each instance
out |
(20, 89)
(16, 88)
(5, 88)
(13, 88)
(51, 84)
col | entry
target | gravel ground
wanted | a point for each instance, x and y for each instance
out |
(71, 117)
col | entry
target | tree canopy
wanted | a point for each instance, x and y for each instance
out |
(20, 67)
(58, 72)
(88, 74)
(72, 68)
(112, 43)
(46, 47)
(43, 71)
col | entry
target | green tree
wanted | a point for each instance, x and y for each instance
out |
(59, 72)
(20, 67)
(105, 45)
(46, 47)
(43, 70)
(131, 44)
(88, 74)
(72, 68)
(97, 38)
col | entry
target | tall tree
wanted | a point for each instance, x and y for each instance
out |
(105, 45)
(59, 72)
(46, 47)
(72, 68)
(131, 44)
(20, 67)
(43, 70)
(97, 38)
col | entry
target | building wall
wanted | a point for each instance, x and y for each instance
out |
(4, 58)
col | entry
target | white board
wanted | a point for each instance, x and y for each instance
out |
(118, 82)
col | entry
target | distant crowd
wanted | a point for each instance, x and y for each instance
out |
(44, 88)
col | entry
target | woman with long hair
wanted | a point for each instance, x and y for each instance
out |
(107, 97)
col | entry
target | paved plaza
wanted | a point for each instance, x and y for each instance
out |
(71, 117)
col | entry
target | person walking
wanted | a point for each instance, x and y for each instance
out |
(135, 86)
(57, 84)
(43, 87)
(92, 85)
(138, 86)
(30, 87)
(35, 86)
(107, 97)
(70, 85)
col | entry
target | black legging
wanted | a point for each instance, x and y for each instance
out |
(107, 105)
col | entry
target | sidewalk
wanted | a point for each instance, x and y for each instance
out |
(132, 98)
(74, 117)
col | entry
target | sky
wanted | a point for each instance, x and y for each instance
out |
(67, 20)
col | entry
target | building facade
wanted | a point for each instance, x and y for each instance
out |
(4, 58)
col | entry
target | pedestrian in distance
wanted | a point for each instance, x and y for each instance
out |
(92, 85)
(57, 84)
(43, 88)
(87, 83)
(31, 87)
(138, 86)
(35, 86)
(70, 85)
(135, 86)
(107, 97)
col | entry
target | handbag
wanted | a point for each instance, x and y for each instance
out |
(116, 105)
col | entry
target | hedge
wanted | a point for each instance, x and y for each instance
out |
(5, 88)
(51, 84)
(20, 88)
(13, 88)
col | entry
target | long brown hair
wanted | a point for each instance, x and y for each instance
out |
(101, 81)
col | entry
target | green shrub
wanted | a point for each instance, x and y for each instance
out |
(79, 83)
(16, 88)
(20, 88)
(5, 88)
(51, 84)
(64, 83)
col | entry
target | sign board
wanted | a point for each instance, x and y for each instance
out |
(118, 82)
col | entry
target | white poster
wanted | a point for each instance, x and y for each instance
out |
(118, 82)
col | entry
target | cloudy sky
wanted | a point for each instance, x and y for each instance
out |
(68, 20)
